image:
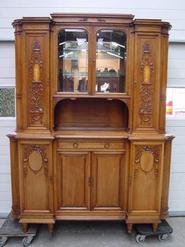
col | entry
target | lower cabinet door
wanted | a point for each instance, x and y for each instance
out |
(145, 180)
(108, 179)
(36, 182)
(73, 172)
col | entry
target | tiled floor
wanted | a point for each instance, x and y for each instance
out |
(100, 234)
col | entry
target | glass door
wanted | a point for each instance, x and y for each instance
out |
(73, 61)
(110, 61)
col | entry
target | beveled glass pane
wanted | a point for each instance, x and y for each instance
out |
(72, 60)
(110, 61)
(7, 102)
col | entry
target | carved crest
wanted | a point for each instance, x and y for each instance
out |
(147, 158)
(35, 165)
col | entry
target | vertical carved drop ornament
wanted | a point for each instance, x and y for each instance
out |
(35, 159)
(37, 86)
(146, 88)
(147, 159)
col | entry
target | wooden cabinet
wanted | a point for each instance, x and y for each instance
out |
(90, 140)
(90, 181)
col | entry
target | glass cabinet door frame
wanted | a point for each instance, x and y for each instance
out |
(93, 50)
(60, 29)
(91, 84)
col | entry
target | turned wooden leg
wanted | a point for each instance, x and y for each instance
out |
(25, 227)
(50, 228)
(129, 227)
(155, 226)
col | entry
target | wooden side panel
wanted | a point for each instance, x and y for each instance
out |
(36, 80)
(166, 178)
(72, 180)
(146, 82)
(145, 181)
(36, 178)
(163, 83)
(108, 179)
(19, 76)
(14, 177)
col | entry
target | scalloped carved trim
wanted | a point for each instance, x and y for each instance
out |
(141, 150)
(28, 151)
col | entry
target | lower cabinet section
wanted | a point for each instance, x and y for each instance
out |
(36, 182)
(90, 181)
(126, 183)
(145, 182)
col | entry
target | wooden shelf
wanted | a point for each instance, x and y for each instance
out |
(91, 134)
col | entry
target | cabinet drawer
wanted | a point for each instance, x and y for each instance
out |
(90, 145)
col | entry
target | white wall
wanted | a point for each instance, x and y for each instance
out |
(170, 10)
(6, 126)
(177, 180)
(173, 11)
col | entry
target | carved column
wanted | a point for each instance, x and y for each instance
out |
(33, 74)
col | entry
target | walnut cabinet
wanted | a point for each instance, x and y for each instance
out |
(90, 140)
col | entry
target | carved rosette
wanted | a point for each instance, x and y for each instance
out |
(147, 159)
(146, 88)
(37, 86)
(35, 159)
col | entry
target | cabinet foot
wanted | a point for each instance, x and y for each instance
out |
(50, 228)
(25, 227)
(129, 227)
(155, 226)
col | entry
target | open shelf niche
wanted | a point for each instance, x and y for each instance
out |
(90, 114)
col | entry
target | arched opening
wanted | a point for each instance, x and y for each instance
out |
(92, 114)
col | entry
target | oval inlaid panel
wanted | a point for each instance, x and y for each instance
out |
(146, 161)
(35, 161)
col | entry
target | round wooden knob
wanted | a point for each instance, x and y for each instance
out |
(75, 145)
(107, 145)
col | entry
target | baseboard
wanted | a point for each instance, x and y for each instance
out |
(4, 215)
(176, 213)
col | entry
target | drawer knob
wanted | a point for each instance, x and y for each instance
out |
(107, 145)
(75, 145)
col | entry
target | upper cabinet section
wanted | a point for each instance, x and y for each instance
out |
(74, 56)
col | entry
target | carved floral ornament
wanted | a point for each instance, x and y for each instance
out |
(37, 86)
(147, 159)
(146, 88)
(35, 159)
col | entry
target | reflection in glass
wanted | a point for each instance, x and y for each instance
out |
(110, 61)
(72, 60)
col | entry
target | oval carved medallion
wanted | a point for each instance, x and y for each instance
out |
(35, 161)
(147, 161)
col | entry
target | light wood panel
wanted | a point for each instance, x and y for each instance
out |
(73, 171)
(36, 183)
(146, 178)
(107, 180)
